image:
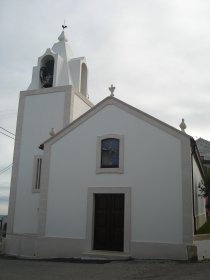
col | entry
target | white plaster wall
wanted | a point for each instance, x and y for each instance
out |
(152, 168)
(41, 113)
(75, 69)
(80, 107)
(199, 201)
(65, 52)
(35, 80)
(58, 67)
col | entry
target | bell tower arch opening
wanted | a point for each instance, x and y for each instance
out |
(83, 85)
(47, 71)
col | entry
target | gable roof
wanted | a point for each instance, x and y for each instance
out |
(110, 100)
(123, 106)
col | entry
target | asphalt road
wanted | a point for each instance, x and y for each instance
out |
(13, 269)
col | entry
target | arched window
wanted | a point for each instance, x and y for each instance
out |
(47, 71)
(110, 153)
(83, 86)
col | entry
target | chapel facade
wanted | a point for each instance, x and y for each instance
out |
(98, 181)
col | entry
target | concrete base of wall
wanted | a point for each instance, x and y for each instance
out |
(145, 250)
(203, 249)
(32, 246)
(43, 247)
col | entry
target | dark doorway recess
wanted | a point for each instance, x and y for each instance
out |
(109, 222)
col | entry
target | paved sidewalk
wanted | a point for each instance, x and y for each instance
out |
(13, 269)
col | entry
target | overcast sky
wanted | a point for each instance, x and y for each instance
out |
(156, 53)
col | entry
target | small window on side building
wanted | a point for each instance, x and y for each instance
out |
(37, 173)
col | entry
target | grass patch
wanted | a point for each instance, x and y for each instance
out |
(205, 229)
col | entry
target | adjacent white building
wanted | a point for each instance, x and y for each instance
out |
(109, 180)
(204, 151)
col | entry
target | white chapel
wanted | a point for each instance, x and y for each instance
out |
(98, 181)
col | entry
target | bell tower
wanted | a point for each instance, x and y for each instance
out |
(56, 96)
(58, 67)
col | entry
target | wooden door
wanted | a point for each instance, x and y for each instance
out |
(109, 222)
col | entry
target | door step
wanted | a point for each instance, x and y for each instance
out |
(105, 255)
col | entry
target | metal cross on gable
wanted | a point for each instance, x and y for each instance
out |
(112, 89)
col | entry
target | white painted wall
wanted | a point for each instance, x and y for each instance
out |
(80, 107)
(75, 70)
(41, 113)
(152, 168)
(199, 201)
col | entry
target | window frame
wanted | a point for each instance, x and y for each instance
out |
(37, 172)
(119, 169)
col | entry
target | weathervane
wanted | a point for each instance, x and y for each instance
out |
(62, 37)
(64, 25)
(112, 89)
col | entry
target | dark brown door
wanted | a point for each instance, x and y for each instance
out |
(109, 222)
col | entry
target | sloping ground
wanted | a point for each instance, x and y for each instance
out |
(12, 269)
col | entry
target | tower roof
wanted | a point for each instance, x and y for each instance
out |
(65, 69)
(62, 37)
(63, 48)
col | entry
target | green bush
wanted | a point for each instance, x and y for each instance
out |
(205, 229)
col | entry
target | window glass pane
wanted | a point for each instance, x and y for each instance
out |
(110, 153)
(38, 173)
